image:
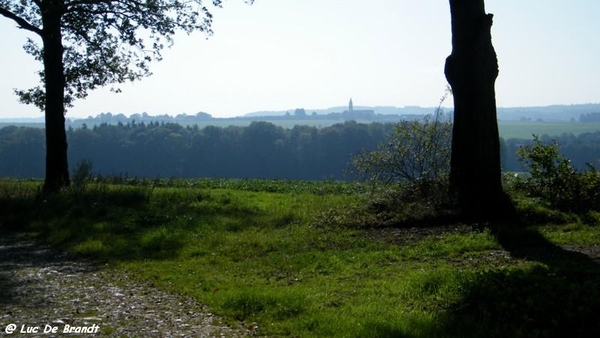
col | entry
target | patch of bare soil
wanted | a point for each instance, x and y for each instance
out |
(41, 287)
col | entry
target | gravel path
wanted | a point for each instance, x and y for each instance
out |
(41, 288)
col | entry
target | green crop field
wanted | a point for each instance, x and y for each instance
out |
(525, 130)
(275, 253)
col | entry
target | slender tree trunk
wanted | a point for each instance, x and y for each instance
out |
(57, 168)
(471, 70)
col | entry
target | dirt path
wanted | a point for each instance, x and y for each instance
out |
(44, 289)
(41, 288)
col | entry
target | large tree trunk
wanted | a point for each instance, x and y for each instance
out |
(57, 168)
(471, 70)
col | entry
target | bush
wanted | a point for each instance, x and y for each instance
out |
(394, 206)
(82, 174)
(415, 152)
(410, 170)
(555, 180)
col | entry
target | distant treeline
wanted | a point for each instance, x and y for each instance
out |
(590, 117)
(261, 150)
(202, 118)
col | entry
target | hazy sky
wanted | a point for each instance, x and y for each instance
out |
(285, 54)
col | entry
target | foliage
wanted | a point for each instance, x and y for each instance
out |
(589, 118)
(21, 152)
(149, 150)
(410, 173)
(82, 174)
(555, 180)
(399, 206)
(415, 151)
(92, 43)
(261, 150)
(105, 42)
(579, 147)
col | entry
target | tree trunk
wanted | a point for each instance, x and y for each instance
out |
(471, 70)
(57, 168)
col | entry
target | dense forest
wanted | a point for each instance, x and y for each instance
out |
(261, 150)
(581, 150)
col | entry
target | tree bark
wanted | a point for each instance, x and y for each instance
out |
(471, 71)
(57, 168)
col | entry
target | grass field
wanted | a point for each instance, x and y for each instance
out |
(274, 253)
(525, 130)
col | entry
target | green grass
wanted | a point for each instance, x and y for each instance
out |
(259, 251)
(571, 233)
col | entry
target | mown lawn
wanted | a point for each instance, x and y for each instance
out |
(272, 252)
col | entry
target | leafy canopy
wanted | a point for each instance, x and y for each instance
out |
(105, 41)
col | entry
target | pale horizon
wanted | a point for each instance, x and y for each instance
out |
(278, 55)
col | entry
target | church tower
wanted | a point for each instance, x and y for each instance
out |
(350, 106)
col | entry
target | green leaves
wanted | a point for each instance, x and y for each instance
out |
(416, 151)
(554, 179)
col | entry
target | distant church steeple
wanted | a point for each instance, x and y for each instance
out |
(350, 106)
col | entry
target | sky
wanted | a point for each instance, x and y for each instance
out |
(316, 54)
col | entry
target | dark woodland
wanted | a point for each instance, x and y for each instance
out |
(261, 150)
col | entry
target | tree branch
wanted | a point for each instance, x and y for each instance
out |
(20, 21)
(86, 2)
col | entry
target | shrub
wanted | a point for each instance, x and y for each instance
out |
(411, 169)
(555, 180)
(82, 174)
(415, 152)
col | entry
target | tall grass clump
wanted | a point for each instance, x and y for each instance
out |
(17, 202)
(82, 175)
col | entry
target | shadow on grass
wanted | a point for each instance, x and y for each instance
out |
(554, 293)
(121, 223)
(24, 266)
(558, 296)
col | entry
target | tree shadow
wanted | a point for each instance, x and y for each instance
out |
(24, 266)
(123, 223)
(557, 296)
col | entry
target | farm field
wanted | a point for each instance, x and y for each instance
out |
(275, 253)
(525, 130)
